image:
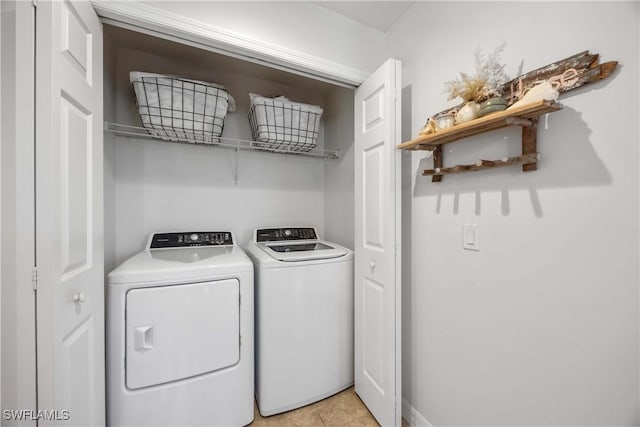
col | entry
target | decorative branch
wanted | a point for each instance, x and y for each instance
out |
(567, 74)
(486, 82)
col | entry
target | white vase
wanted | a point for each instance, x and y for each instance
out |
(468, 112)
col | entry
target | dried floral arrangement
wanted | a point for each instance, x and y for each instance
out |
(486, 82)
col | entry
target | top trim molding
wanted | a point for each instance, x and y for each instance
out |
(151, 20)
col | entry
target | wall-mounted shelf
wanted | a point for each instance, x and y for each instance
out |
(229, 143)
(525, 116)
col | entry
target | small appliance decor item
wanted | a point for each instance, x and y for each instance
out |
(430, 127)
(445, 121)
(468, 112)
(492, 105)
(177, 109)
(278, 124)
(542, 91)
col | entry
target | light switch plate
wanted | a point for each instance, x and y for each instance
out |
(470, 237)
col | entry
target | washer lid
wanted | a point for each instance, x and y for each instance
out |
(166, 266)
(302, 250)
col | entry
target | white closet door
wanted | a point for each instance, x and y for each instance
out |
(69, 218)
(377, 244)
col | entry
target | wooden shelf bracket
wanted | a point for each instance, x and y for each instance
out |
(527, 119)
(524, 160)
(437, 163)
(530, 144)
(528, 160)
(522, 116)
(516, 121)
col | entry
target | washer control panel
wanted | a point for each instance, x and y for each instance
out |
(280, 234)
(189, 239)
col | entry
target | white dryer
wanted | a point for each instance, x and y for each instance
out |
(304, 318)
(180, 333)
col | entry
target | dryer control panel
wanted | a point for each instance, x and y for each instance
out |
(188, 239)
(280, 234)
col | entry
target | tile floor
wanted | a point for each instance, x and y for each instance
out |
(342, 409)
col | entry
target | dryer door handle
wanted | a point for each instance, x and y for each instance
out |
(144, 337)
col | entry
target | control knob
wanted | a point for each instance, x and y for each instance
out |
(287, 233)
(194, 237)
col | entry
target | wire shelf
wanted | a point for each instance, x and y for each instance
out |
(214, 141)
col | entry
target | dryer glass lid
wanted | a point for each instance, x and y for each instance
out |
(302, 251)
(296, 244)
(299, 247)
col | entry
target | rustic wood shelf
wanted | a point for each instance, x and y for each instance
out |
(518, 117)
(525, 116)
(484, 164)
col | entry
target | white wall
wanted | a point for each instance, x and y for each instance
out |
(1, 52)
(109, 151)
(162, 186)
(301, 26)
(541, 326)
(17, 371)
(339, 201)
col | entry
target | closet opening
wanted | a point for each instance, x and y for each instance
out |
(152, 185)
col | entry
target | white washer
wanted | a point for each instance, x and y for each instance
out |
(180, 333)
(304, 318)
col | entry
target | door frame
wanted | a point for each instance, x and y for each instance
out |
(18, 345)
(170, 26)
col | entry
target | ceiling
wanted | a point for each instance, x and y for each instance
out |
(376, 14)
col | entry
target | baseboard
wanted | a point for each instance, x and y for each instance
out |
(413, 417)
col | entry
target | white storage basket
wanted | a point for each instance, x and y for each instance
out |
(280, 125)
(177, 109)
